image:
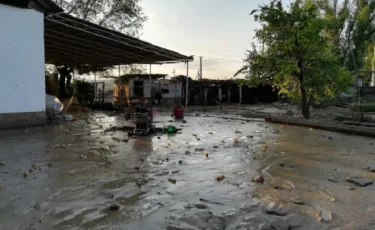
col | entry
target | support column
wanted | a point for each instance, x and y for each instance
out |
(187, 84)
(229, 88)
(240, 91)
(220, 98)
(150, 83)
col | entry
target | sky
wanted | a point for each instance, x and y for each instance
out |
(219, 30)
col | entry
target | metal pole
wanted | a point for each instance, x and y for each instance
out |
(240, 87)
(150, 82)
(187, 84)
(373, 70)
(201, 73)
(95, 86)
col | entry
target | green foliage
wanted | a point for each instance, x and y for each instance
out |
(298, 57)
(122, 15)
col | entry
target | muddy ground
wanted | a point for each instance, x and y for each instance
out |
(74, 175)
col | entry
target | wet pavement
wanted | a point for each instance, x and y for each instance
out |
(75, 175)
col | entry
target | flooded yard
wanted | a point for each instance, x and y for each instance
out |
(75, 175)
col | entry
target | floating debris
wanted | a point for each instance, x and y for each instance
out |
(206, 154)
(235, 139)
(264, 148)
(258, 179)
(173, 181)
(237, 131)
(220, 178)
(114, 207)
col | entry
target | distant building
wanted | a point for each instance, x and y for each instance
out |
(156, 89)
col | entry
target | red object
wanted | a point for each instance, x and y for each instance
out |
(178, 112)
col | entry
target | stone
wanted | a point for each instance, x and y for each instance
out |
(201, 206)
(114, 207)
(332, 179)
(258, 179)
(276, 210)
(280, 224)
(360, 182)
(324, 216)
(220, 178)
(371, 168)
(175, 171)
(173, 181)
(297, 202)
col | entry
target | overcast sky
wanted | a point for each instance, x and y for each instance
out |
(218, 30)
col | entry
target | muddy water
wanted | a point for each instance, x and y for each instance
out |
(81, 171)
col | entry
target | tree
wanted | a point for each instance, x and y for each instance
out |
(121, 15)
(125, 16)
(297, 58)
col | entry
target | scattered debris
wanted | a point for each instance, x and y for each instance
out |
(187, 152)
(350, 188)
(220, 178)
(371, 143)
(184, 121)
(332, 179)
(2, 163)
(324, 216)
(114, 207)
(250, 137)
(211, 133)
(136, 168)
(209, 201)
(201, 206)
(176, 171)
(371, 168)
(50, 164)
(235, 139)
(180, 162)
(360, 182)
(237, 131)
(167, 159)
(159, 137)
(329, 137)
(280, 224)
(206, 154)
(173, 181)
(199, 150)
(2, 187)
(281, 165)
(258, 179)
(264, 148)
(276, 210)
(26, 174)
(297, 202)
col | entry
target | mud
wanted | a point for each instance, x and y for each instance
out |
(81, 177)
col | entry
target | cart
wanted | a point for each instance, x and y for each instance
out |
(143, 118)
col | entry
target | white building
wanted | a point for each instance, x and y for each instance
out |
(22, 71)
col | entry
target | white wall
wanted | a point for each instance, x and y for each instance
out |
(22, 82)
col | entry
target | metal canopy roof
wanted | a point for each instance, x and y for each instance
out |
(72, 41)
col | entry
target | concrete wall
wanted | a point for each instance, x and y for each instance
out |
(22, 74)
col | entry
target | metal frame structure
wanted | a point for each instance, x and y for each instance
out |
(72, 41)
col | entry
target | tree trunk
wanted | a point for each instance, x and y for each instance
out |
(305, 105)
